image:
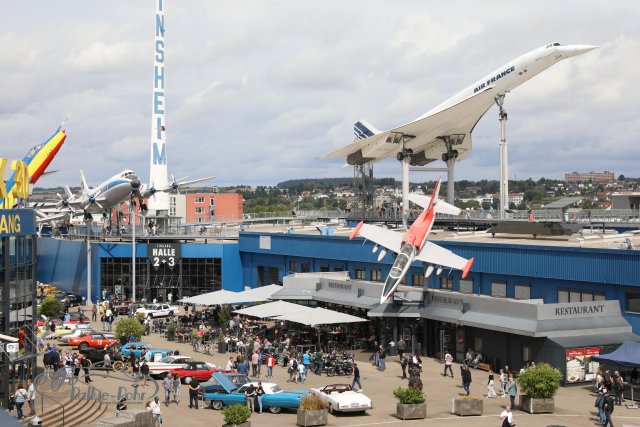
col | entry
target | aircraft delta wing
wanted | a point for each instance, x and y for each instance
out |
(440, 205)
(444, 132)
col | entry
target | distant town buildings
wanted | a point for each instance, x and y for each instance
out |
(594, 177)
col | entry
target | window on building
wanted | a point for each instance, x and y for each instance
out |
(499, 289)
(598, 296)
(376, 275)
(199, 199)
(212, 202)
(324, 268)
(563, 295)
(338, 268)
(632, 301)
(360, 273)
(293, 267)
(523, 291)
(575, 296)
(199, 219)
(199, 210)
(477, 344)
(305, 267)
(417, 279)
(446, 283)
(466, 286)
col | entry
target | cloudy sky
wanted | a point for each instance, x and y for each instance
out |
(256, 90)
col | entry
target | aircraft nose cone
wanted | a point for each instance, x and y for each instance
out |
(575, 50)
(135, 183)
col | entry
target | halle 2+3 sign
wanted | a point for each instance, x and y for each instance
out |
(163, 254)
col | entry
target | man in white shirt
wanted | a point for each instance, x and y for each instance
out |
(507, 417)
(230, 366)
(32, 397)
(155, 410)
(448, 360)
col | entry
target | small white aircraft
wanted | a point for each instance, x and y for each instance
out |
(444, 132)
(413, 244)
(119, 188)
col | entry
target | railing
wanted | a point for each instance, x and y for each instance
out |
(42, 396)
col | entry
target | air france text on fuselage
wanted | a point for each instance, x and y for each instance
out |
(495, 78)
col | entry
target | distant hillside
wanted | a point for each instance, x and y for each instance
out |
(304, 184)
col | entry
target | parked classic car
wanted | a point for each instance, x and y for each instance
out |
(158, 310)
(212, 386)
(152, 354)
(78, 332)
(93, 340)
(342, 398)
(196, 370)
(274, 399)
(167, 364)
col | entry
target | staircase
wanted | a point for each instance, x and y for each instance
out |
(56, 409)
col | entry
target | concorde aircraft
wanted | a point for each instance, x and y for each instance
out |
(119, 188)
(444, 132)
(413, 244)
(37, 160)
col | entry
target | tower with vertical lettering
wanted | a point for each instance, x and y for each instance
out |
(158, 167)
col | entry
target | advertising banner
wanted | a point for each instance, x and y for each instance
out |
(580, 366)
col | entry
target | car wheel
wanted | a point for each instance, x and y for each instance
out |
(171, 313)
(331, 411)
(187, 380)
(216, 404)
(275, 409)
(83, 346)
(118, 366)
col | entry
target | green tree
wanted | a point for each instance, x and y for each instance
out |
(50, 307)
(129, 326)
(224, 314)
(540, 382)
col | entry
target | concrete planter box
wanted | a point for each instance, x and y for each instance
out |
(312, 418)
(411, 411)
(465, 407)
(244, 424)
(537, 406)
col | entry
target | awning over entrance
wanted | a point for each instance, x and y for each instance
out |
(271, 309)
(319, 316)
(227, 297)
(345, 299)
(594, 340)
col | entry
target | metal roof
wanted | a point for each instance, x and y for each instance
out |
(563, 203)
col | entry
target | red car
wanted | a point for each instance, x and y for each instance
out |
(93, 340)
(196, 370)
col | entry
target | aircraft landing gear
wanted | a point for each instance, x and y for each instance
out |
(406, 152)
(88, 216)
(451, 154)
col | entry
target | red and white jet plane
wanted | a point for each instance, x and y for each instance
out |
(413, 244)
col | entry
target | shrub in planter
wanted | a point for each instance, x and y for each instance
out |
(312, 411)
(236, 415)
(129, 326)
(171, 330)
(411, 403)
(538, 386)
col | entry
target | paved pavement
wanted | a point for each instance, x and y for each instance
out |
(574, 405)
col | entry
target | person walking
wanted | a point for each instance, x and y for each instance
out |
(176, 388)
(135, 369)
(609, 403)
(155, 410)
(21, 395)
(381, 359)
(144, 373)
(503, 382)
(31, 390)
(302, 371)
(107, 362)
(490, 390)
(167, 384)
(94, 313)
(512, 387)
(356, 377)
(618, 387)
(466, 380)
(507, 417)
(255, 359)
(271, 362)
(85, 363)
(600, 403)
(259, 394)
(404, 361)
(448, 361)
(194, 389)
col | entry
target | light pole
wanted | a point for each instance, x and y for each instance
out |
(88, 222)
(133, 250)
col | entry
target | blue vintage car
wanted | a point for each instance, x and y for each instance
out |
(152, 354)
(274, 399)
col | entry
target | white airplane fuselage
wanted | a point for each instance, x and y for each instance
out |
(111, 192)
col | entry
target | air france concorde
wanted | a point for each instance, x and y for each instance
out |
(444, 132)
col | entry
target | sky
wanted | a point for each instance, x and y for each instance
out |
(256, 90)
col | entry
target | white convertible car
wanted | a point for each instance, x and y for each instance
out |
(342, 398)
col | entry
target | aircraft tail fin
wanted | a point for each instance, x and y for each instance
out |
(83, 183)
(68, 192)
(363, 129)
